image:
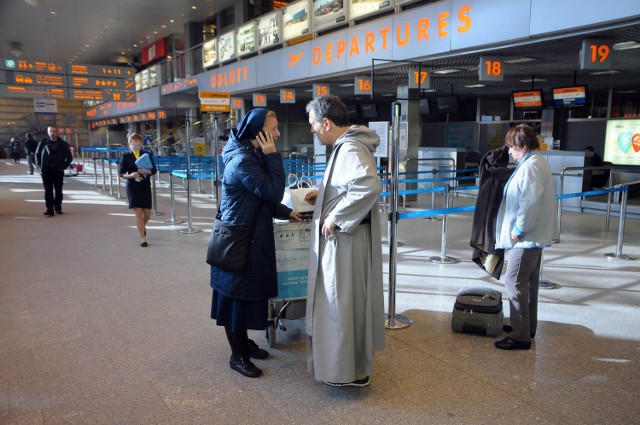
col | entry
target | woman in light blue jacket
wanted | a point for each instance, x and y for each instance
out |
(524, 226)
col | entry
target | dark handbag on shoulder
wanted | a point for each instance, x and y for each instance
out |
(229, 245)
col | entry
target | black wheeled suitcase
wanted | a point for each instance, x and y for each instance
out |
(478, 310)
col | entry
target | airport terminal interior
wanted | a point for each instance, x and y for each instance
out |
(95, 329)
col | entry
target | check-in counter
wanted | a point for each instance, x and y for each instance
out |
(573, 180)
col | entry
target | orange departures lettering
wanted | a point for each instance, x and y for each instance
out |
(463, 17)
(443, 23)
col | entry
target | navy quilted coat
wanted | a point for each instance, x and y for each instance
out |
(252, 188)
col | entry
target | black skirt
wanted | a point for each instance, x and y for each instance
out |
(239, 315)
(139, 196)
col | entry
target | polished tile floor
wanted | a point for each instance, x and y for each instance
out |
(95, 329)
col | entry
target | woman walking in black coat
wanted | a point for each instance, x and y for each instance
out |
(138, 184)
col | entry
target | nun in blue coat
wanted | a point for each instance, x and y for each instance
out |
(253, 185)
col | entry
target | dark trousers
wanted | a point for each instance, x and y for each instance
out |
(52, 180)
(16, 156)
(521, 280)
(31, 160)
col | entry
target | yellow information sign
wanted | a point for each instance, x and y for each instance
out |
(211, 101)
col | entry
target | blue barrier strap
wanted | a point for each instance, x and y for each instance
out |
(592, 192)
(431, 213)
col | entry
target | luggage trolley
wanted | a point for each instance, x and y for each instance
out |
(292, 259)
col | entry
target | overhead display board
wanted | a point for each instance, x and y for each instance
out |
(48, 80)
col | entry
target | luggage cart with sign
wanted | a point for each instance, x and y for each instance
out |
(292, 260)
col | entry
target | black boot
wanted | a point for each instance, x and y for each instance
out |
(239, 360)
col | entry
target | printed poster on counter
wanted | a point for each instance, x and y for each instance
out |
(622, 142)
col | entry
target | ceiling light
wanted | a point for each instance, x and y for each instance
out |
(519, 60)
(164, 26)
(52, 13)
(194, 7)
(627, 45)
(155, 32)
(135, 45)
(533, 80)
(627, 91)
(446, 71)
(171, 20)
(608, 72)
(347, 85)
(87, 45)
(475, 86)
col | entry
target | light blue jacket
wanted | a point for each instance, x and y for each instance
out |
(528, 206)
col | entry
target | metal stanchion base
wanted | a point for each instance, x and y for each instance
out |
(547, 284)
(157, 214)
(444, 260)
(173, 222)
(397, 321)
(385, 243)
(613, 256)
(433, 219)
(189, 231)
(555, 240)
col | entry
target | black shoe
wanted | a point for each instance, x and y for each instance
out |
(508, 329)
(48, 213)
(256, 352)
(358, 383)
(59, 212)
(512, 344)
(243, 365)
(144, 244)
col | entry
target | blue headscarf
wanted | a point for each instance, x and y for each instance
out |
(250, 125)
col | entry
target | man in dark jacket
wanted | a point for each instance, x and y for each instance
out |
(53, 156)
(30, 146)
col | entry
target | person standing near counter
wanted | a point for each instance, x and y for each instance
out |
(524, 226)
(30, 146)
(345, 306)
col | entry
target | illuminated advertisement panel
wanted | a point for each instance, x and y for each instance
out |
(269, 33)
(210, 53)
(246, 39)
(226, 46)
(328, 14)
(622, 142)
(295, 20)
(361, 8)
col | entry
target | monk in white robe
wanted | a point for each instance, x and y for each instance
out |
(345, 307)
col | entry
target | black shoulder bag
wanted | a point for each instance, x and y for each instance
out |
(229, 245)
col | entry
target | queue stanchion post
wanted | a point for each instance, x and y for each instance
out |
(443, 258)
(118, 183)
(393, 320)
(189, 230)
(172, 220)
(154, 199)
(434, 172)
(104, 178)
(95, 173)
(618, 255)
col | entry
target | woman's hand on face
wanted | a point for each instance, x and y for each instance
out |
(266, 142)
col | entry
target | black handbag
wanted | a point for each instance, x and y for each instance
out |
(229, 245)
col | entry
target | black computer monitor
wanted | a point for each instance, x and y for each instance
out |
(447, 104)
(368, 111)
